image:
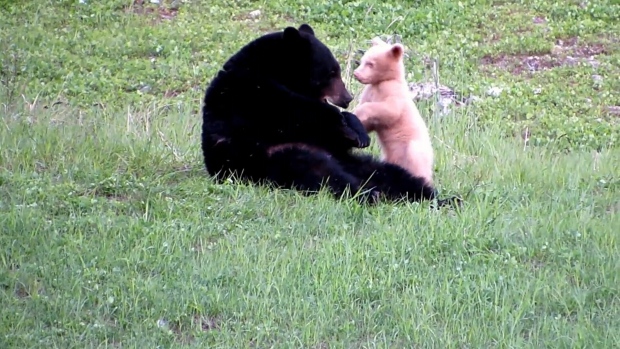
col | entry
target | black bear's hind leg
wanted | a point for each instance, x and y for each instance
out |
(391, 180)
(308, 170)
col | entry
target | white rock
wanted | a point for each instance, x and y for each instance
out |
(255, 14)
(494, 91)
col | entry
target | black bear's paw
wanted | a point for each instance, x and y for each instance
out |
(354, 130)
(368, 197)
(452, 202)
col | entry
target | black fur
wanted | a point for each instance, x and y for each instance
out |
(265, 119)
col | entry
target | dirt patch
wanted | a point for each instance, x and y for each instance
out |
(172, 93)
(156, 11)
(207, 323)
(118, 199)
(184, 335)
(252, 16)
(205, 245)
(536, 265)
(566, 52)
(175, 92)
(573, 47)
(259, 22)
(612, 110)
(27, 290)
(21, 291)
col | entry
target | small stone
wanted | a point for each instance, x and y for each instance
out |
(144, 89)
(570, 60)
(444, 103)
(472, 99)
(593, 62)
(255, 14)
(494, 91)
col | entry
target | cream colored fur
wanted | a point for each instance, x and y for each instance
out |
(386, 107)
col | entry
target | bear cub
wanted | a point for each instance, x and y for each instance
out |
(386, 107)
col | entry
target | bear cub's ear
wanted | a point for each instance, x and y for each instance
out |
(397, 50)
(306, 28)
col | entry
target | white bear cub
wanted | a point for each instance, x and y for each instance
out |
(386, 107)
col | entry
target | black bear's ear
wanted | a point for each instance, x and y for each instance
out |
(290, 33)
(306, 28)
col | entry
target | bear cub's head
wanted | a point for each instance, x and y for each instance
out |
(298, 60)
(381, 62)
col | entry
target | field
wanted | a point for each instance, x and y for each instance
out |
(113, 236)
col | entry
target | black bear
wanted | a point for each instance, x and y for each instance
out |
(266, 118)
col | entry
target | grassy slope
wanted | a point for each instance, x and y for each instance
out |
(112, 236)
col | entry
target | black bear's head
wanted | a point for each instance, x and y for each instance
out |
(297, 59)
(317, 66)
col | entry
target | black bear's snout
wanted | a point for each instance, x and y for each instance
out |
(342, 100)
(345, 99)
(338, 94)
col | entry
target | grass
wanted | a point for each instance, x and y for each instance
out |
(113, 237)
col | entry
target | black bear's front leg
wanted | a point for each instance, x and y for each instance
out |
(308, 169)
(296, 116)
(354, 130)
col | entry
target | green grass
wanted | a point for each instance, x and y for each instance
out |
(112, 235)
